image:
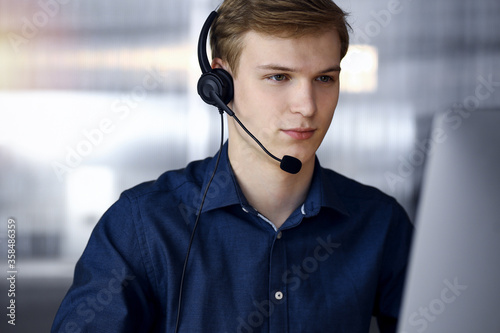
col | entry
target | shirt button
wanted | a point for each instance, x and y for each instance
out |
(279, 235)
(278, 295)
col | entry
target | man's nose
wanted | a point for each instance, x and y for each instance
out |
(302, 99)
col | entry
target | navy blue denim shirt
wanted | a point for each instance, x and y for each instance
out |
(338, 260)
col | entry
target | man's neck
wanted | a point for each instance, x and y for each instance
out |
(273, 192)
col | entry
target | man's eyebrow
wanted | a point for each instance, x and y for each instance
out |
(335, 68)
(280, 68)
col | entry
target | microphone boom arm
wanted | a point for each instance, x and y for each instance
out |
(289, 164)
(224, 107)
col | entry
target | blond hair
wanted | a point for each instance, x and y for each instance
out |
(282, 18)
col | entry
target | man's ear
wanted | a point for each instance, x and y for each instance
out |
(219, 63)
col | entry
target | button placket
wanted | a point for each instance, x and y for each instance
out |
(277, 288)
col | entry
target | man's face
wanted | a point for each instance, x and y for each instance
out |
(286, 91)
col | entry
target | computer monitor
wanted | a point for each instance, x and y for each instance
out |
(453, 281)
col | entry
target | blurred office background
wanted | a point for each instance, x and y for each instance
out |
(97, 96)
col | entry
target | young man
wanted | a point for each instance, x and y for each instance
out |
(274, 251)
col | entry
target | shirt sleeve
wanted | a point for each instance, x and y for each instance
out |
(393, 271)
(111, 291)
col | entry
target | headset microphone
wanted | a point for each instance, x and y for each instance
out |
(215, 87)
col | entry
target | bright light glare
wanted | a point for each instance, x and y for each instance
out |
(91, 190)
(359, 69)
(37, 125)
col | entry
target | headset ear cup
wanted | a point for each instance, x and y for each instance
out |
(207, 83)
(227, 84)
(219, 81)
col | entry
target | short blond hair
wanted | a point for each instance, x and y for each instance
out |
(282, 18)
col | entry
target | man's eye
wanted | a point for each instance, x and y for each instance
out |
(278, 77)
(325, 78)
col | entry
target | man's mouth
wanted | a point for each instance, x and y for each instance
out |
(300, 133)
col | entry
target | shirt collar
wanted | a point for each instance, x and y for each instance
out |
(225, 191)
(322, 193)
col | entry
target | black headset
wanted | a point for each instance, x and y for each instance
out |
(213, 80)
(216, 88)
